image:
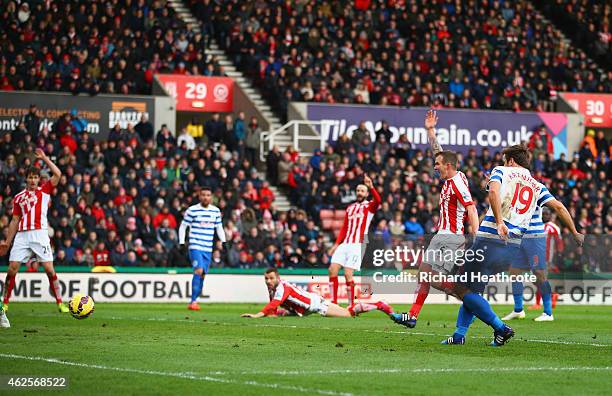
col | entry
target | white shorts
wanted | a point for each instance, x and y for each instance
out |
(349, 255)
(32, 243)
(318, 305)
(441, 253)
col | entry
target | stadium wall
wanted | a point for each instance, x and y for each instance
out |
(250, 288)
(459, 130)
(101, 112)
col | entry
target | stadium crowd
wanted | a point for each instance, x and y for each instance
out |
(469, 54)
(587, 22)
(120, 200)
(101, 46)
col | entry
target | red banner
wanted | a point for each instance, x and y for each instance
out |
(199, 93)
(596, 108)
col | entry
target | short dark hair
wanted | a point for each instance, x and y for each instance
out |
(33, 170)
(449, 157)
(271, 270)
(519, 154)
(206, 188)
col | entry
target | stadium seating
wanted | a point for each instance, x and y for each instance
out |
(586, 22)
(496, 54)
(96, 46)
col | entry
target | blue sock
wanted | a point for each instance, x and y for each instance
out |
(464, 320)
(196, 287)
(517, 293)
(546, 291)
(482, 309)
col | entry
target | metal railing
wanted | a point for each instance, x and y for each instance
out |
(303, 135)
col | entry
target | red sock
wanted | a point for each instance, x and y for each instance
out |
(538, 297)
(555, 297)
(9, 283)
(361, 308)
(420, 295)
(333, 288)
(54, 283)
(350, 291)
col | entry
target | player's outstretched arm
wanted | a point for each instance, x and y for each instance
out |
(12, 230)
(55, 171)
(495, 200)
(566, 218)
(431, 120)
(375, 202)
(257, 315)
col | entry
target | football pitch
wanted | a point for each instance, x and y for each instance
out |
(165, 349)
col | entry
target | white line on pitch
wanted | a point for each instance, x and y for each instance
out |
(190, 376)
(418, 370)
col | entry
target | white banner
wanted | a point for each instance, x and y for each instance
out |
(176, 288)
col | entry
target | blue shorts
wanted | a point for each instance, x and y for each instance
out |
(490, 257)
(200, 259)
(533, 251)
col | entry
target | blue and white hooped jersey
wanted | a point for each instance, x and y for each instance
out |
(522, 196)
(202, 223)
(536, 226)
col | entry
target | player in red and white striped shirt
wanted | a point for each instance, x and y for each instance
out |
(456, 206)
(349, 248)
(287, 299)
(28, 228)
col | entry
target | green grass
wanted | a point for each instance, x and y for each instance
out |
(164, 349)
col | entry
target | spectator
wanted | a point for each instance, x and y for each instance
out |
(186, 139)
(214, 129)
(253, 137)
(32, 121)
(240, 133)
(101, 255)
(144, 129)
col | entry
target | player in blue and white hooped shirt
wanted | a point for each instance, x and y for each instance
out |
(203, 220)
(514, 196)
(533, 247)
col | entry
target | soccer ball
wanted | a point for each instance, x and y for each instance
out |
(81, 306)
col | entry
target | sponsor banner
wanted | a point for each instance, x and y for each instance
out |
(596, 108)
(101, 112)
(458, 130)
(199, 93)
(158, 288)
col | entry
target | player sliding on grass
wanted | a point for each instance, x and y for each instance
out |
(286, 299)
(455, 205)
(349, 248)
(203, 220)
(28, 228)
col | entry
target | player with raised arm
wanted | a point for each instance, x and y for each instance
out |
(535, 245)
(287, 299)
(514, 196)
(203, 220)
(349, 248)
(455, 205)
(28, 228)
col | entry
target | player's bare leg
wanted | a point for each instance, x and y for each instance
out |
(350, 285)
(194, 306)
(333, 271)
(54, 285)
(336, 311)
(9, 283)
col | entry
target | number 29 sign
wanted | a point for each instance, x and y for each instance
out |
(199, 93)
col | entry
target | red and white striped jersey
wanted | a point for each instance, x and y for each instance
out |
(553, 240)
(357, 219)
(289, 297)
(32, 206)
(455, 197)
